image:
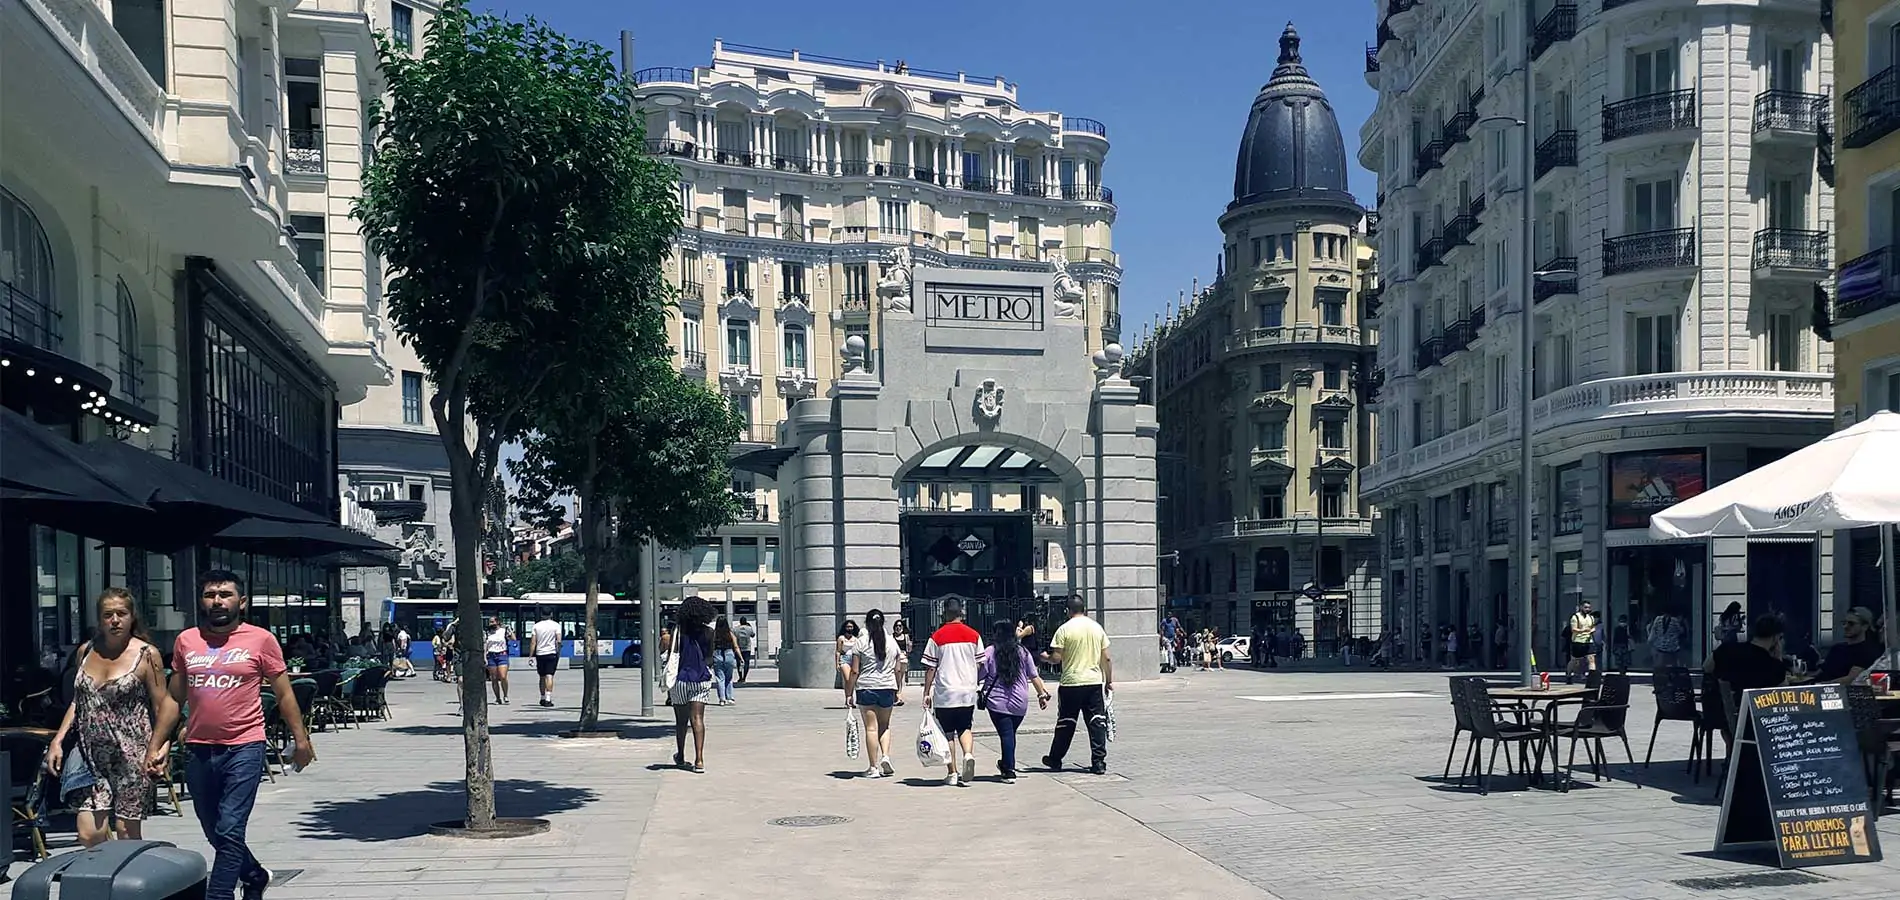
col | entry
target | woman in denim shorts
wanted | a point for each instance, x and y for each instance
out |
(871, 687)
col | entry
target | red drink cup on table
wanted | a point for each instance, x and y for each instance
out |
(1881, 682)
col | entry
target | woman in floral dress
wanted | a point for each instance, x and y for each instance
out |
(118, 697)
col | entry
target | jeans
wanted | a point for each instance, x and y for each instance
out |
(223, 782)
(725, 668)
(1081, 701)
(1006, 726)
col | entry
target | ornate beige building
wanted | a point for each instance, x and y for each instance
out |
(1261, 383)
(811, 185)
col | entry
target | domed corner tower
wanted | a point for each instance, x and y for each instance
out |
(1295, 353)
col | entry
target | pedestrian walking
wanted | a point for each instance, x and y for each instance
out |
(121, 718)
(847, 636)
(1006, 673)
(405, 667)
(1080, 648)
(871, 687)
(495, 649)
(546, 634)
(1583, 643)
(692, 642)
(220, 670)
(950, 688)
(725, 660)
(1665, 634)
(900, 631)
(748, 638)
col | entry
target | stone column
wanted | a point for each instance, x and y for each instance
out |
(1114, 562)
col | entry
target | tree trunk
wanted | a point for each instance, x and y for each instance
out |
(465, 516)
(593, 521)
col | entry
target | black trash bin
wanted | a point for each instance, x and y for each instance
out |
(117, 870)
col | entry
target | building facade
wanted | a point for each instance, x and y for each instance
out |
(809, 183)
(1679, 220)
(1866, 308)
(1261, 384)
(175, 235)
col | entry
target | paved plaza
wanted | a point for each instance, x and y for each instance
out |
(1234, 784)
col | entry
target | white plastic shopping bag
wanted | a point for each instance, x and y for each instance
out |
(1108, 707)
(853, 733)
(933, 749)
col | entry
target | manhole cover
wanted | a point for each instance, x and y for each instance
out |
(1751, 880)
(808, 821)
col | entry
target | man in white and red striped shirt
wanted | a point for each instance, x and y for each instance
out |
(950, 688)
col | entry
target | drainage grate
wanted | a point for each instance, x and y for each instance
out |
(1752, 880)
(808, 821)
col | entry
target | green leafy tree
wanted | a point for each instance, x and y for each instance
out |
(513, 204)
(646, 454)
(563, 571)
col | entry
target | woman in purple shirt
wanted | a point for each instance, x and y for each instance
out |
(1005, 676)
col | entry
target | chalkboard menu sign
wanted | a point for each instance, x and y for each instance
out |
(1795, 781)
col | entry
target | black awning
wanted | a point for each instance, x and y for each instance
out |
(764, 462)
(299, 540)
(198, 500)
(44, 480)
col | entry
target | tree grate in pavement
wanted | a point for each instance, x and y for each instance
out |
(808, 821)
(1751, 880)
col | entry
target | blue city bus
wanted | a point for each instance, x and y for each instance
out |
(617, 623)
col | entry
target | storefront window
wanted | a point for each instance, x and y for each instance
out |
(1642, 484)
(1570, 499)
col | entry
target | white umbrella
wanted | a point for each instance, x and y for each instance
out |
(1849, 479)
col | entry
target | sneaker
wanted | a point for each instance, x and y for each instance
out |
(255, 891)
(887, 767)
(547, 703)
(872, 772)
(1008, 776)
(950, 780)
(1052, 764)
(969, 769)
(1098, 770)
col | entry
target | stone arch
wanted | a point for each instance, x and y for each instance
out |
(34, 223)
(1058, 463)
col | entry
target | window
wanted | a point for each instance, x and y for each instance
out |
(309, 240)
(1273, 502)
(1500, 265)
(1258, 247)
(857, 285)
(1467, 411)
(691, 340)
(1500, 148)
(793, 356)
(1285, 253)
(863, 331)
(769, 555)
(739, 343)
(1270, 435)
(1332, 310)
(1785, 203)
(1029, 497)
(982, 498)
(791, 216)
(979, 234)
(417, 492)
(1651, 72)
(1784, 66)
(30, 302)
(1652, 343)
(706, 560)
(1332, 501)
(131, 351)
(1319, 246)
(893, 216)
(738, 276)
(1272, 312)
(1332, 434)
(412, 398)
(745, 556)
(730, 137)
(1270, 377)
(1418, 423)
(742, 407)
(1651, 205)
(735, 212)
(791, 281)
(1330, 377)
(1028, 237)
(402, 23)
(141, 24)
(1782, 343)
(1500, 382)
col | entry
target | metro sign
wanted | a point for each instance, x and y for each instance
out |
(984, 306)
(972, 545)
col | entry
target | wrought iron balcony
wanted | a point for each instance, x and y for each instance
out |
(682, 149)
(1790, 111)
(1643, 251)
(1791, 248)
(1458, 335)
(29, 319)
(732, 157)
(1557, 150)
(693, 361)
(1372, 58)
(1428, 254)
(1370, 300)
(692, 290)
(1458, 230)
(1476, 206)
(803, 164)
(1429, 353)
(1084, 126)
(1649, 114)
(1093, 193)
(1556, 286)
(303, 151)
(1871, 110)
(1558, 25)
(663, 75)
(1866, 284)
(1458, 128)
(855, 301)
(1029, 189)
(1429, 157)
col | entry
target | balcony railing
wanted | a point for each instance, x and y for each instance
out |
(1093, 193)
(1429, 157)
(29, 319)
(751, 510)
(1871, 110)
(1458, 230)
(1458, 335)
(1555, 285)
(1649, 114)
(664, 75)
(759, 434)
(303, 151)
(1343, 526)
(1791, 248)
(693, 360)
(1458, 127)
(692, 290)
(1372, 58)
(1112, 323)
(1794, 111)
(1557, 150)
(1428, 353)
(681, 149)
(1428, 254)
(1665, 249)
(1292, 334)
(1029, 189)
(1084, 126)
(1498, 531)
(855, 301)
(1866, 284)
(1370, 300)
(1558, 25)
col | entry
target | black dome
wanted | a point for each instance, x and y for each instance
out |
(1291, 148)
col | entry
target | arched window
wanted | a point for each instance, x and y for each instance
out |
(131, 354)
(29, 309)
(794, 356)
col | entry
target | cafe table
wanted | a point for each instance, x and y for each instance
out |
(1549, 697)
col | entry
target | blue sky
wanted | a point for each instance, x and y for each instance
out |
(1174, 94)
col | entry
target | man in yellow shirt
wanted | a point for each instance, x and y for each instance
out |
(1080, 647)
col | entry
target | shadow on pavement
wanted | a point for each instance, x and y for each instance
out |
(410, 813)
(550, 728)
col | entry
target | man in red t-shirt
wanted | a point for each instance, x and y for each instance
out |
(219, 669)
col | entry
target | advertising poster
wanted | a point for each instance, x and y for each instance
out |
(1643, 484)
